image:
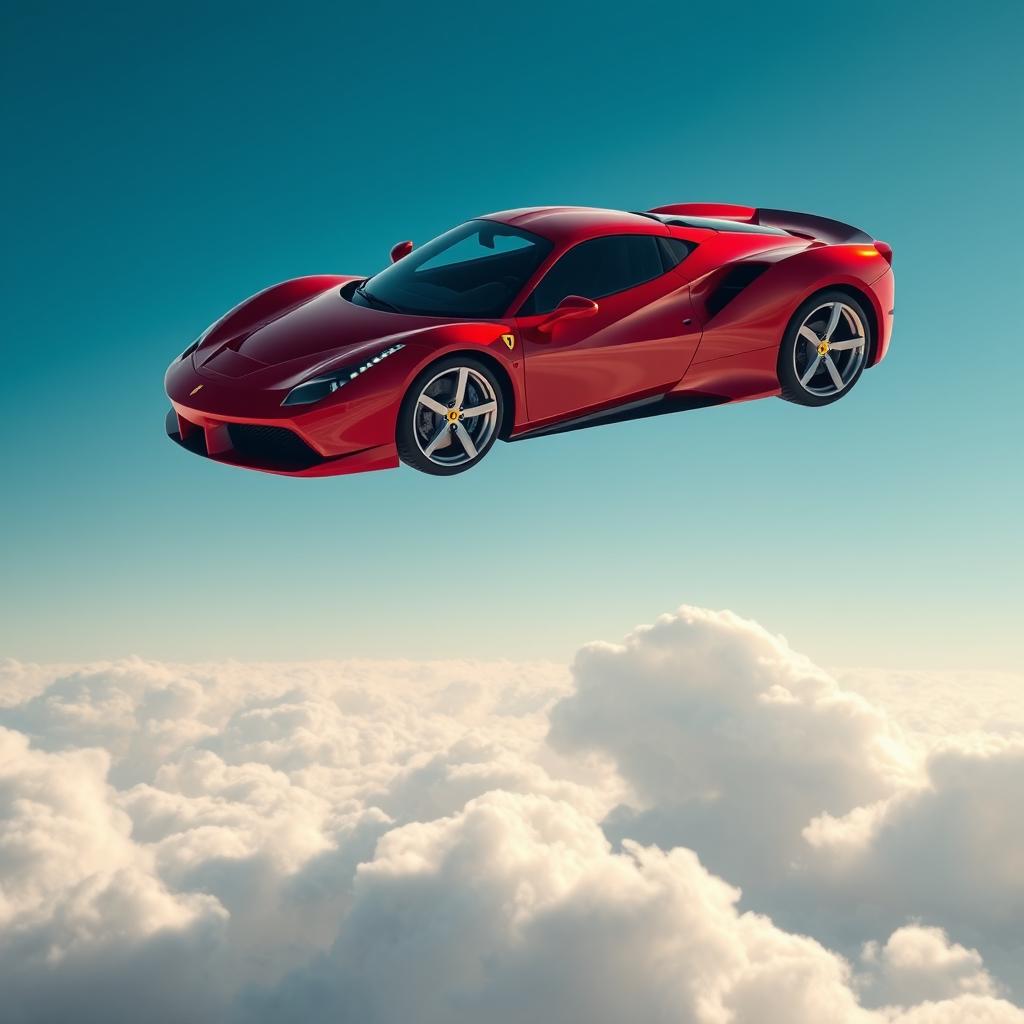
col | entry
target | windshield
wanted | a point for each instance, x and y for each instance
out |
(474, 270)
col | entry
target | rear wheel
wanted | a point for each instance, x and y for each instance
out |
(450, 416)
(824, 350)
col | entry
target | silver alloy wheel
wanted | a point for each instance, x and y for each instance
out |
(830, 349)
(455, 416)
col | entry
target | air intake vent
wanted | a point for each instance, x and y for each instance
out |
(271, 445)
(732, 283)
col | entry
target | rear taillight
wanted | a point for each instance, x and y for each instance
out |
(885, 249)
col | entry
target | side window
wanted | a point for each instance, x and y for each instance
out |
(674, 251)
(598, 267)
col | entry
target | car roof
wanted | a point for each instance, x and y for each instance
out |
(564, 224)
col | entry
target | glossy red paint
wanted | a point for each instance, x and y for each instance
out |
(666, 337)
(638, 343)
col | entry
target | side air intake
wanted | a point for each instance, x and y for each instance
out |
(734, 280)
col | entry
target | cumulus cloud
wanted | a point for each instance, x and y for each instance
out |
(517, 909)
(918, 964)
(951, 853)
(731, 741)
(80, 899)
(695, 825)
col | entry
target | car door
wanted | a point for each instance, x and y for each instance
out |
(640, 341)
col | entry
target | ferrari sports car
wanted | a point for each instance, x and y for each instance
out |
(530, 322)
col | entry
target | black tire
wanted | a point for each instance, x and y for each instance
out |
(417, 424)
(795, 357)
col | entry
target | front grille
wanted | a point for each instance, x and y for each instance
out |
(276, 446)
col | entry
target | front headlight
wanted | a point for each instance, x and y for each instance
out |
(320, 387)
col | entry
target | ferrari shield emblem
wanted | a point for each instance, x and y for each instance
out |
(510, 341)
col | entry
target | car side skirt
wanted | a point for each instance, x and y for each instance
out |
(656, 405)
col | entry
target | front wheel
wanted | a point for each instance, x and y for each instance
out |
(450, 417)
(824, 350)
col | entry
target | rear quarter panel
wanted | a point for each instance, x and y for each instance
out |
(758, 316)
(738, 349)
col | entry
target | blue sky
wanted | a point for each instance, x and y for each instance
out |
(166, 162)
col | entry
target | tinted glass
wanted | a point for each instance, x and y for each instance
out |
(471, 247)
(674, 251)
(474, 270)
(596, 268)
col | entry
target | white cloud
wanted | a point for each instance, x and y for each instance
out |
(732, 742)
(951, 853)
(918, 964)
(832, 816)
(517, 909)
(68, 856)
(462, 841)
(86, 921)
(931, 705)
(962, 1010)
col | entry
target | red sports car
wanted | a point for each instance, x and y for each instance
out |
(532, 321)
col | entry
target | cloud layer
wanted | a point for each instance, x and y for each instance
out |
(695, 825)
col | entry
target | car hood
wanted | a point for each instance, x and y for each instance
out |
(318, 334)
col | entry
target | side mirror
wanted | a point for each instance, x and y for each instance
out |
(400, 250)
(572, 307)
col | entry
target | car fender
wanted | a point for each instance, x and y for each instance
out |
(496, 342)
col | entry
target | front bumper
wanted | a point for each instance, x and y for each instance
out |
(242, 425)
(270, 448)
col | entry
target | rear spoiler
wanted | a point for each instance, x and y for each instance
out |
(805, 225)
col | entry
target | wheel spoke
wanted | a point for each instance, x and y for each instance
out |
(460, 389)
(809, 336)
(454, 436)
(833, 320)
(811, 371)
(834, 373)
(842, 346)
(442, 439)
(433, 405)
(467, 441)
